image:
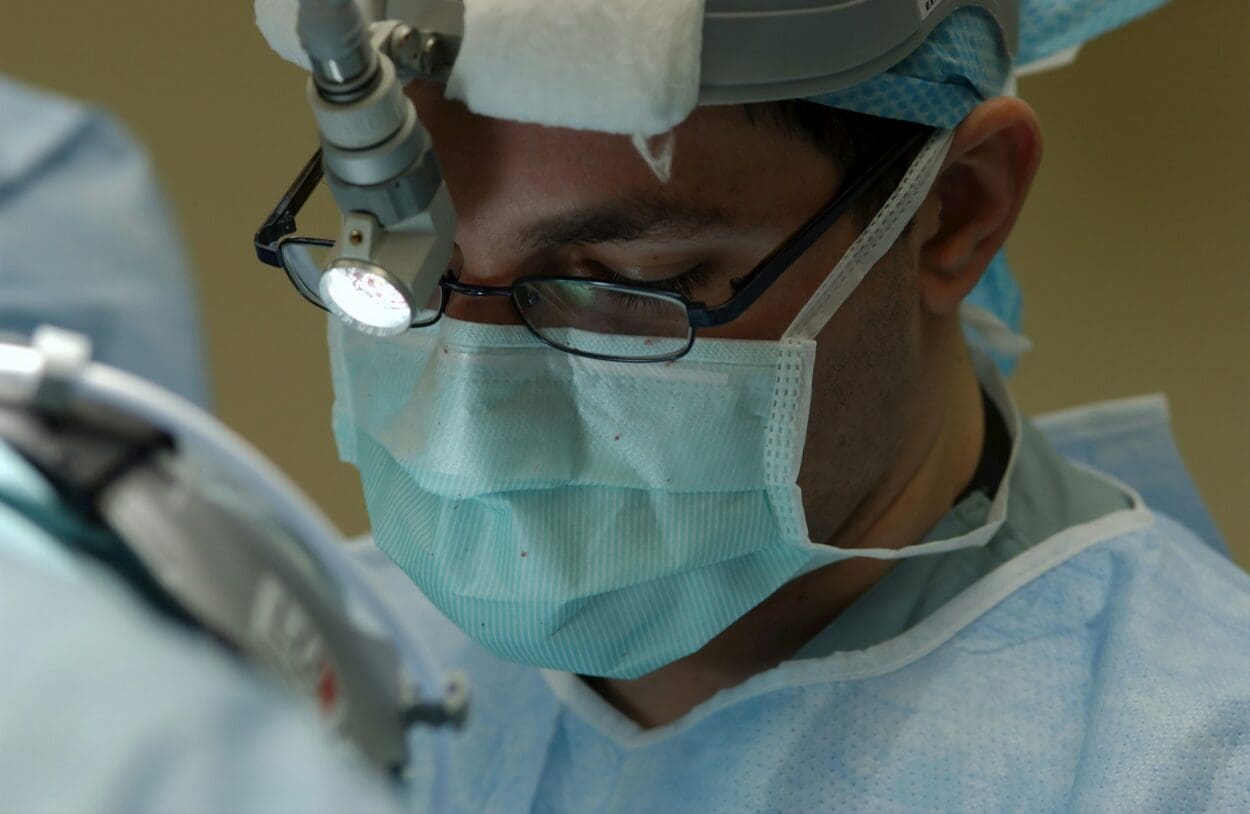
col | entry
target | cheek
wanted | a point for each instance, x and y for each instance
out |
(863, 387)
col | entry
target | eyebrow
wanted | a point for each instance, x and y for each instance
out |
(624, 221)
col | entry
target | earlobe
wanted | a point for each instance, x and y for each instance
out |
(978, 196)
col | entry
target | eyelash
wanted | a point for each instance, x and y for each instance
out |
(683, 284)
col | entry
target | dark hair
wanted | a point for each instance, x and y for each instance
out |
(847, 138)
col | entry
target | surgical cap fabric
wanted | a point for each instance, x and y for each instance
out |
(1112, 681)
(1050, 26)
(964, 61)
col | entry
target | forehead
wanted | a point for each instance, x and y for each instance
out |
(501, 169)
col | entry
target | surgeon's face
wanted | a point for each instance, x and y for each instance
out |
(537, 200)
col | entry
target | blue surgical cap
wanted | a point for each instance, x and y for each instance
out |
(963, 63)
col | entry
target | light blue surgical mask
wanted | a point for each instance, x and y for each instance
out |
(598, 517)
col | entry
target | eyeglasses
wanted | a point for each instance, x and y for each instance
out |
(599, 319)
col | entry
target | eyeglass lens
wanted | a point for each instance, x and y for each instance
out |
(590, 317)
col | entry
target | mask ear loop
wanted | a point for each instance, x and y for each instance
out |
(873, 243)
(992, 334)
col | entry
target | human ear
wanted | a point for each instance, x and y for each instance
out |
(976, 199)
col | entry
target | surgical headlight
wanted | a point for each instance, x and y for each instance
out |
(366, 297)
(396, 238)
(383, 281)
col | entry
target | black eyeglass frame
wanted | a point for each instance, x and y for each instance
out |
(272, 235)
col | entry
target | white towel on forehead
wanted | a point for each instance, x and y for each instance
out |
(616, 66)
(613, 66)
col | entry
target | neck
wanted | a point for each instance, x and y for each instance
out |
(939, 459)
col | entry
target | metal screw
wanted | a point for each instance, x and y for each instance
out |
(355, 237)
(432, 53)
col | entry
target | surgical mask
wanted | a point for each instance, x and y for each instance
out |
(598, 517)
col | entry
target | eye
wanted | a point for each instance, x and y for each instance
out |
(684, 283)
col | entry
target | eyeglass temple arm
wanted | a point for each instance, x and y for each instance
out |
(771, 267)
(281, 221)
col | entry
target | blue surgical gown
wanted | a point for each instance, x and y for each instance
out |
(89, 243)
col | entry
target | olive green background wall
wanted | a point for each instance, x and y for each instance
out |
(1134, 251)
